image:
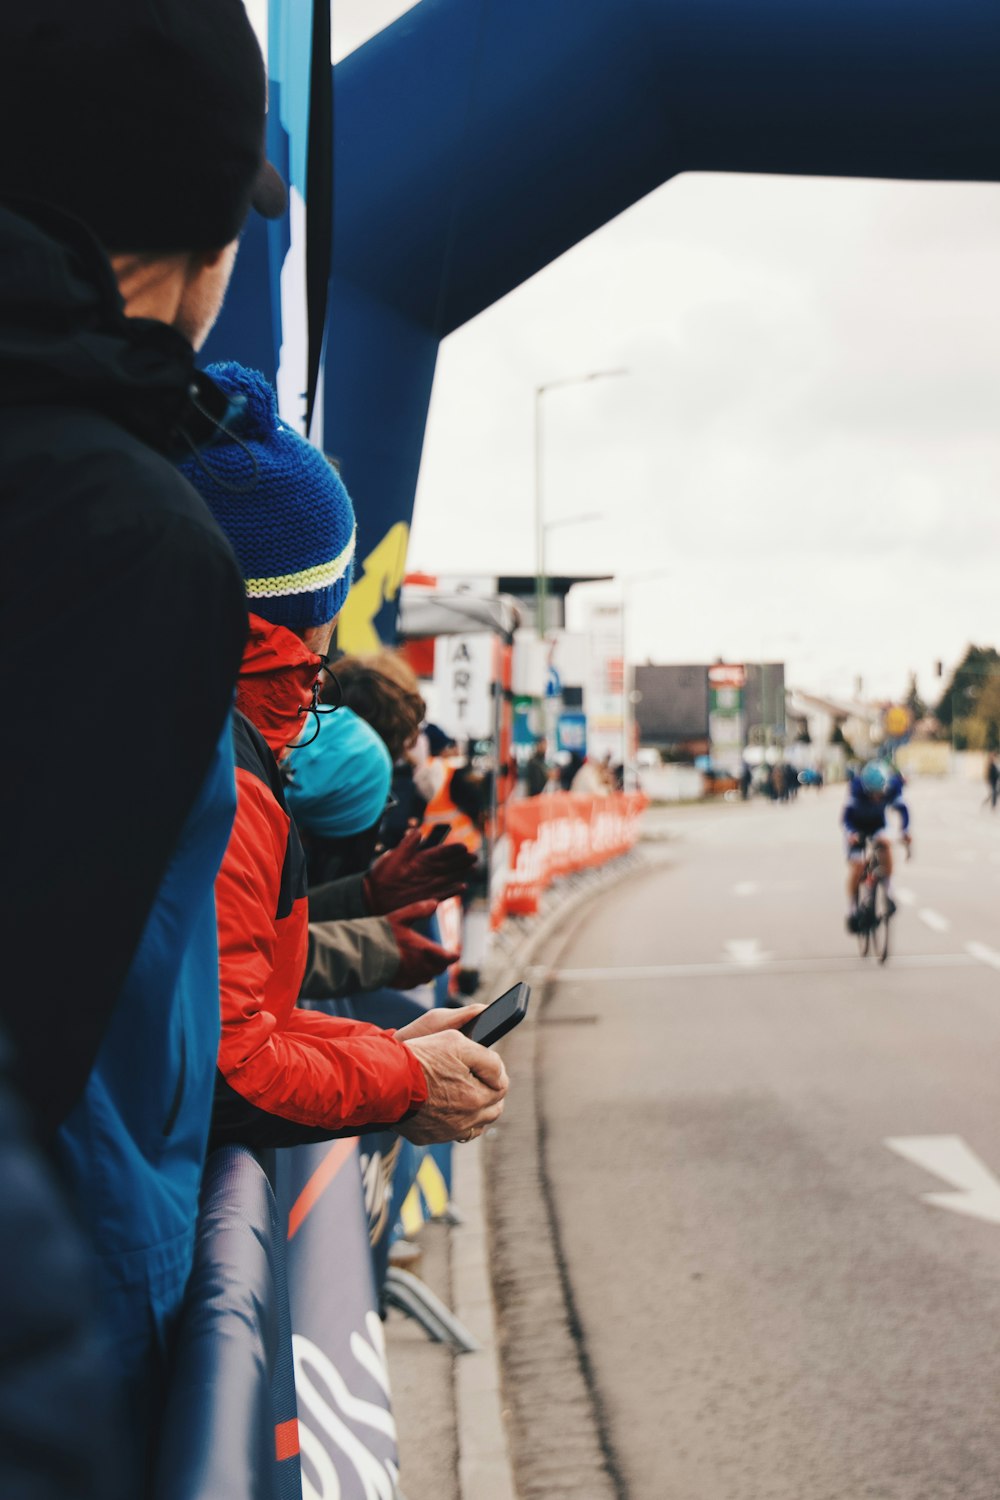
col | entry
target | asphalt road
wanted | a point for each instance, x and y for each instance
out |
(763, 1304)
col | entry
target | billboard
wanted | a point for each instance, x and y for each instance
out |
(726, 718)
(604, 689)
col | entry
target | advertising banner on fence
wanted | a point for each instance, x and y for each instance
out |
(345, 1428)
(551, 836)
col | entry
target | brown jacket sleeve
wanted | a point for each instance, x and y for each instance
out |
(345, 957)
(338, 900)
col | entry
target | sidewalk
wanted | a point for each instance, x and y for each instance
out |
(449, 1409)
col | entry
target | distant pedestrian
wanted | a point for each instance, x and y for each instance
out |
(992, 780)
(568, 770)
(553, 782)
(590, 780)
(535, 771)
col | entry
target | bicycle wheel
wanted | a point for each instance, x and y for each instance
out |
(864, 912)
(882, 920)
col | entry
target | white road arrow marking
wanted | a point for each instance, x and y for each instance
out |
(977, 1190)
(745, 951)
(984, 954)
(934, 920)
(746, 888)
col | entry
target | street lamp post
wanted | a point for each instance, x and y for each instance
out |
(551, 705)
(629, 698)
(540, 523)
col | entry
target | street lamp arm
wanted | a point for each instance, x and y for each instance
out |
(592, 515)
(555, 385)
(540, 524)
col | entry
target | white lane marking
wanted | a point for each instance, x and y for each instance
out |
(904, 896)
(745, 951)
(948, 1156)
(830, 965)
(934, 920)
(983, 954)
(746, 888)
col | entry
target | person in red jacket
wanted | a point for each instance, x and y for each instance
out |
(289, 1074)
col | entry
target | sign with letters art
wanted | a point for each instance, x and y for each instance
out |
(463, 683)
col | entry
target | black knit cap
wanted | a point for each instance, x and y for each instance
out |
(143, 118)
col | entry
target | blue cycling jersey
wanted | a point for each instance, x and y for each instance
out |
(864, 814)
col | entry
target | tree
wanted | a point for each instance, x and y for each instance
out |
(960, 699)
(913, 700)
(981, 730)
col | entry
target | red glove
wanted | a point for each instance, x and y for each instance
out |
(415, 872)
(419, 958)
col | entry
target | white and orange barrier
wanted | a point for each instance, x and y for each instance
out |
(546, 837)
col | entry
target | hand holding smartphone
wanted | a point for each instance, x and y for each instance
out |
(500, 1017)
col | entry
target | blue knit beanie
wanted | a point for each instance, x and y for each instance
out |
(341, 779)
(290, 521)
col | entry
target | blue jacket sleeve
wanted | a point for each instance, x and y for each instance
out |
(60, 1429)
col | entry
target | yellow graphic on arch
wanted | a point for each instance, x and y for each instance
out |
(381, 576)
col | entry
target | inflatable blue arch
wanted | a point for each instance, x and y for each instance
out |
(476, 140)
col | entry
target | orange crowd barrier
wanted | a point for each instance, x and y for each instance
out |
(552, 836)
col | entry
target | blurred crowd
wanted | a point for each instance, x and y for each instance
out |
(175, 933)
(567, 771)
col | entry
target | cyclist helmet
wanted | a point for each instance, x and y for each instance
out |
(875, 777)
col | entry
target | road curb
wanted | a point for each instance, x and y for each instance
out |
(485, 1470)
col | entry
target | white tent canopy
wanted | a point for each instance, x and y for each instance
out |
(425, 612)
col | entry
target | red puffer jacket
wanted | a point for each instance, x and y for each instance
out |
(301, 1066)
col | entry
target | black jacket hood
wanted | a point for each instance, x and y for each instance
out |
(65, 339)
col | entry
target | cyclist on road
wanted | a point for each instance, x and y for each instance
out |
(870, 796)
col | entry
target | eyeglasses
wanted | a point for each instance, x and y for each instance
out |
(316, 708)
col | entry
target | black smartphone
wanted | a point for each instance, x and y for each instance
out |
(437, 835)
(500, 1017)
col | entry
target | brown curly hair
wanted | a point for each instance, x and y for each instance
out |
(384, 691)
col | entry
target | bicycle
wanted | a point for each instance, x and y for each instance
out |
(874, 909)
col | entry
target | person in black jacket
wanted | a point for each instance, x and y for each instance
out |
(536, 773)
(134, 133)
(110, 565)
(57, 1417)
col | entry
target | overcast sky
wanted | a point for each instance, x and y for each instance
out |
(805, 449)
